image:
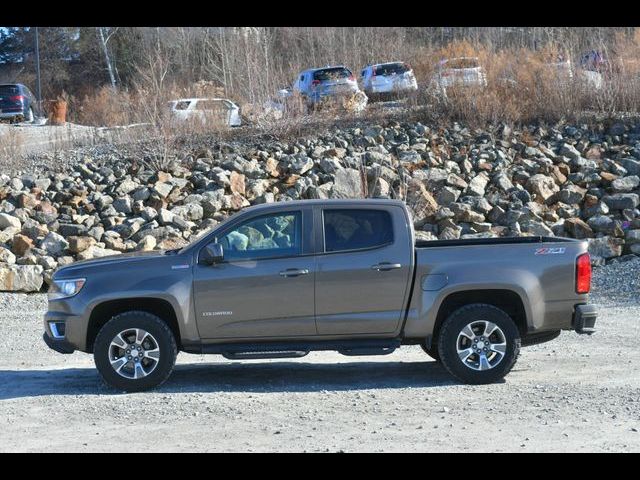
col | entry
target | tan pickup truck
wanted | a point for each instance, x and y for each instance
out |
(283, 279)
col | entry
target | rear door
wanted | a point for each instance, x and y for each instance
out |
(363, 269)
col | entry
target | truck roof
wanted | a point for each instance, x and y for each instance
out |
(331, 202)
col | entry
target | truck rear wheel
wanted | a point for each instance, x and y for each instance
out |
(135, 351)
(479, 344)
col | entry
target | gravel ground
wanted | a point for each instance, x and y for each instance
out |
(577, 393)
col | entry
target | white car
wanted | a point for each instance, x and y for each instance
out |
(388, 78)
(459, 71)
(565, 75)
(218, 110)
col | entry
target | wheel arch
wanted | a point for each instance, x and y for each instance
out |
(507, 300)
(104, 311)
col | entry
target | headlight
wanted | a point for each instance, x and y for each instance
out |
(65, 288)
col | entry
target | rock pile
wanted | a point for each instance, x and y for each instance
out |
(459, 183)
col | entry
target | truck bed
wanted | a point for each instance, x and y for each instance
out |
(489, 241)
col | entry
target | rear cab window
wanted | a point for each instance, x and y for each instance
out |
(356, 229)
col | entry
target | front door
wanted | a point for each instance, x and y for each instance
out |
(265, 285)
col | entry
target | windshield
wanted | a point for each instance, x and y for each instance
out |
(462, 63)
(9, 90)
(392, 69)
(335, 73)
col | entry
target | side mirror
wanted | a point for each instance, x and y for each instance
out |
(212, 254)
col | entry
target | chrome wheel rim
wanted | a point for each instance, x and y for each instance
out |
(134, 353)
(481, 345)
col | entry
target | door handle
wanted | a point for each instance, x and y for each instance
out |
(385, 266)
(294, 272)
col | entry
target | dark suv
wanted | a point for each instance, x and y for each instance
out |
(17, 103)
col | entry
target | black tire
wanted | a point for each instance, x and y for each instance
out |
(432, 352)
(453, 326)
(161, 333)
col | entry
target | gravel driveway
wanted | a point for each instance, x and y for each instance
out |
(577, 393)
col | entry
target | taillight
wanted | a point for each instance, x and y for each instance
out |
(315, 82)
(583, 273)
(352, 78)
(16, 98)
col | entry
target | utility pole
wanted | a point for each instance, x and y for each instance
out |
(38, 73)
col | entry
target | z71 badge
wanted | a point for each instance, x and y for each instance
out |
(550, 251)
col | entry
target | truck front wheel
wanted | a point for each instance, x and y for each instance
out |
(479, 344)
(135, 351)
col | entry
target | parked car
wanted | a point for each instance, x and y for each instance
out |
(459, 72)
(282, 279)
(280, 103)
(561, 69)
(205, 110)
(565, 74)
(388, 79)
(17, 103)
(317, 85)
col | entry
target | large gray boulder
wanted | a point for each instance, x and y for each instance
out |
(347, 184)
(21, 278)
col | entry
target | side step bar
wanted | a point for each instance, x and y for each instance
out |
(260, 355)
(246, 351)
(353, 352)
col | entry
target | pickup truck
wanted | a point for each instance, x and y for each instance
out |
(282, 279)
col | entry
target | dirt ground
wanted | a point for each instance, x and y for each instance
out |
(577, 393)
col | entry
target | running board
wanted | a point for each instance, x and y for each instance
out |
(354, 352)
(260, 355)
(292, 349)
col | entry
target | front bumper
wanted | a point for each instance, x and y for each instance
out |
(59, 345)
(64, 332)
(584, 319)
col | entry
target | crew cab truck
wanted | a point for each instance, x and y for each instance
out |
(283, 279)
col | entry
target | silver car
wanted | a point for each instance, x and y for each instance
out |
(459, 71)
(386, 79)
(216, 110)
(317, 84)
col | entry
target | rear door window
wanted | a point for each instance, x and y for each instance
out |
(356, 229)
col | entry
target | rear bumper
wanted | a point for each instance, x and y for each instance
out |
(16, 113)
(393, 88)
(584, 319)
